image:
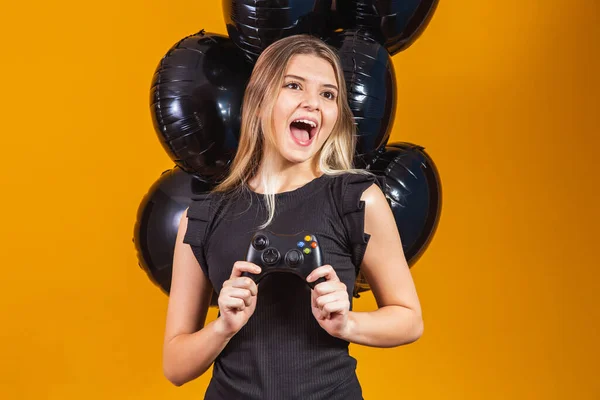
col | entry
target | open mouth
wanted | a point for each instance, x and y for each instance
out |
(303, 130)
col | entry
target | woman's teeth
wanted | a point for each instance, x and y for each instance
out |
(306, 121)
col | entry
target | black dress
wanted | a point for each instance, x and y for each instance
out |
(282, 352)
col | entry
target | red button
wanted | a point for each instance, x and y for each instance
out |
(313, 245)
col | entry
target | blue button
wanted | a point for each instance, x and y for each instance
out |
(300, 244)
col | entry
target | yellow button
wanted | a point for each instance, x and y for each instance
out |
(307, 238)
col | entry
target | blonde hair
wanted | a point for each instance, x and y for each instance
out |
(336, 155)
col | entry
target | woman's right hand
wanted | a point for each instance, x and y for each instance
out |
(237, 299)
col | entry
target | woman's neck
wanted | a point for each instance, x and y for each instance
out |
(286, 179)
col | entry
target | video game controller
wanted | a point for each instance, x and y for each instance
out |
(298, 254)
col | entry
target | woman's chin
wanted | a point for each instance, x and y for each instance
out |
(296, 157)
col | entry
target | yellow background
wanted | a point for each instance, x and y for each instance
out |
(503, 95)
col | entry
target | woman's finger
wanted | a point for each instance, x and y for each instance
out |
(329, 298)
(232, 303)
(238, 293)
(242, 282)
(335, 307)
(329, 287)
(243, 266)
(325, 271)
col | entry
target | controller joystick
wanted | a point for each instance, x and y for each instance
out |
(260, 242)
(298, 254)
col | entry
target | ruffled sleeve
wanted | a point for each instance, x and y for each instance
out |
(349, 190)
(199, 217)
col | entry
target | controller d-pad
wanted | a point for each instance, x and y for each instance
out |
(270, 256)
(293, 258)
(260, 242)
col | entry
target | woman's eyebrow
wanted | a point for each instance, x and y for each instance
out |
(299, 78)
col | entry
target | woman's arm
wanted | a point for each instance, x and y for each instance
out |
(398, 320)
(189, 346)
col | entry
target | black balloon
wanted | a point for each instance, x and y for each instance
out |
(195, 102)
(157, 223)
(371, 83)
(396, 24)
(254, 24)
(413, 189)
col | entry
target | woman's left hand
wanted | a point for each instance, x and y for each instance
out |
(330, 301)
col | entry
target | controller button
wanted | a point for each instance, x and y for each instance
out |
(313, 245)
(307, 251)
(308, 238)
(260, 242)
(293, 258)
(300, 244)
(270, 256)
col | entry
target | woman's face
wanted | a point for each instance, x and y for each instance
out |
(306, 108)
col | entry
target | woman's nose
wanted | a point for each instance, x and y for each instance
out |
(311, 100)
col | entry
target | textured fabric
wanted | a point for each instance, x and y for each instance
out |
(282, 352)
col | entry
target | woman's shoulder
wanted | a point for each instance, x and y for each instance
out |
(349, 187)
(353, 192)
(203, 205)
(200, 202)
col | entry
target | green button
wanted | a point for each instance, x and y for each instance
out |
(306, 250)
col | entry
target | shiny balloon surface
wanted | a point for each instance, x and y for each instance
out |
(396, 24)
(255, 24)
(195, 101)
(413, 187)
(158, 217)
(371, 85)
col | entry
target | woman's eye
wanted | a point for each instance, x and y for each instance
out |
(329, 95)
(292, 85)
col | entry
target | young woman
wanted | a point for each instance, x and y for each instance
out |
(292, 173)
